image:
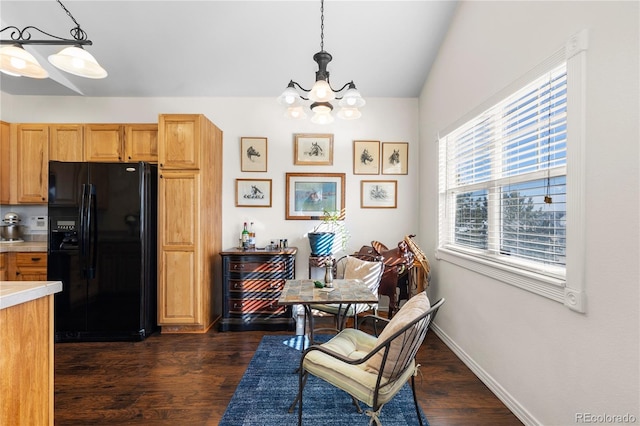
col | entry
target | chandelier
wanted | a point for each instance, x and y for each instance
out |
(295, 97)
(16, 61)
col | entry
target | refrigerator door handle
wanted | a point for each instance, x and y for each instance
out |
(92, 226)
(84, 241)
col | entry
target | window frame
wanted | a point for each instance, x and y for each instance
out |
(567, 288)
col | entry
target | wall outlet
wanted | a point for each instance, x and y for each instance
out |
(38, 223)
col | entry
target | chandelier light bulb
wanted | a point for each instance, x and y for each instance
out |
(321, 92)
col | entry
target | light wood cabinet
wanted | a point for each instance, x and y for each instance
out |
(189, 222)
(66, 142)
(141, 142)
(26, 362)
(103, 142)
(184, 150)
(5, 163)
(27, 266)
(4, 273)
(32, 168)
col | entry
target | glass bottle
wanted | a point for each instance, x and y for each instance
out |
(245, 237)
(252, 237)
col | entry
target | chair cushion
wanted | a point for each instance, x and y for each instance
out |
(411, 310)
(369, 272)
(353, 379)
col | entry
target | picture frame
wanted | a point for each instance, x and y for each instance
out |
(253, 154)
(395, 157)
(366, 157)
(253, 192)
(313, 149)
(379, 194)
(309, 195)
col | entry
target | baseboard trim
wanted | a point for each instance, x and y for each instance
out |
(512, 404)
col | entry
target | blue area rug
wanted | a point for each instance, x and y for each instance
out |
(270, 385)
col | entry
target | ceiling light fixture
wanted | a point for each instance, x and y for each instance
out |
(16, 61)
(321, 94)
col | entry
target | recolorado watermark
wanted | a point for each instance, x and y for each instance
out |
(604, 418)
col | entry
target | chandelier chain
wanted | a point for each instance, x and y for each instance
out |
(76, 32)
(321, 25)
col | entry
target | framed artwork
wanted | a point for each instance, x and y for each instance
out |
(253, 154)
(395, 156)
(366, 157)
(379, 194)
(313, 149)
(309, 195)
(253, 192)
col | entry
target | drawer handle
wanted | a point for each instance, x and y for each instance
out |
(35, 259)
(237, 285)
(238, 266)
(237, 305)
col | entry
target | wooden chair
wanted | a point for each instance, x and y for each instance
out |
(365, 267)
(371, 369)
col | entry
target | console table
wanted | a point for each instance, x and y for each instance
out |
(252, 281)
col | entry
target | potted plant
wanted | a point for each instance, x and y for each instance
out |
(322, 238)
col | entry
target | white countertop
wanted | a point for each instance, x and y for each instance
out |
(7, 246)
(15, 292)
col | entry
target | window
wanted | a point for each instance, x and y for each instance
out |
(504, 205)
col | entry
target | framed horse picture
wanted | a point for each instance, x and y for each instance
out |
(310, 195)
(366, 157)
(253, 192)
(395, 157)
(313, 149)
(253, 154)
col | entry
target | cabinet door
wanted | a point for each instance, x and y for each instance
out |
(141, 142)
(28, 266)
(103, 142)
(5, 163)
(180, 292)
(180, 136)
(33, 163)
(4, 275)
(66, 142)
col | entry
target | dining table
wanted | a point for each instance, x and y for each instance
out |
(343, 292)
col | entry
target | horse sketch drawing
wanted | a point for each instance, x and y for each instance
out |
(395, 157)
(254, 193)
(252, 152)
(365, 157)
(378, 193)
(315, 150)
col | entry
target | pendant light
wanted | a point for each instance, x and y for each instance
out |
(16, 61)
(321, 93)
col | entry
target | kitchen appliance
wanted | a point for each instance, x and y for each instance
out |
(11, 230)
(102, 246)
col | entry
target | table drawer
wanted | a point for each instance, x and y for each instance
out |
(255, 285)
(239, 266)
(255, 306)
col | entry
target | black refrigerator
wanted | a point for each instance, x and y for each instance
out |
(102, 246)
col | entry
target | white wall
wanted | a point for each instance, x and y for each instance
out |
(548, 363)
(386, 120)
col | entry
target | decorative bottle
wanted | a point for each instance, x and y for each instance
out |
(245, 237)
(252, 237)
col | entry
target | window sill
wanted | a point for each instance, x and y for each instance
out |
(549, 287)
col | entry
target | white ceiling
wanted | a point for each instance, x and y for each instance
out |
(234, 48)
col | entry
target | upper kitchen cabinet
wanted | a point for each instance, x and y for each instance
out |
(181, 135)
(66, 142)
(141, 142)
(32, 163)
(103, 142)
(5, 163)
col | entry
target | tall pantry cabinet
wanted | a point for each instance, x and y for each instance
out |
(189, 221)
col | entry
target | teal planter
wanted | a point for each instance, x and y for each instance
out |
(321, 243)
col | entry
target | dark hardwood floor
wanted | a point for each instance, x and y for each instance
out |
(188, 379)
